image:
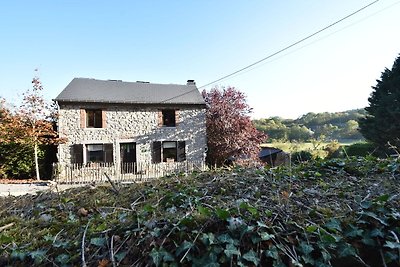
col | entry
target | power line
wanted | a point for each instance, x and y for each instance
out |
(277, 52)
(289, 46)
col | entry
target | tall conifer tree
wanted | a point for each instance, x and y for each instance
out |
(381, 125)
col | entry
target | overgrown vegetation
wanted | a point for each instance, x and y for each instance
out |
(339, 212)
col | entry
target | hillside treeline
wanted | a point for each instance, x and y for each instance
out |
(341, 126)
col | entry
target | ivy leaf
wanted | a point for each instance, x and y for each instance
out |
(278, 263)
(261, 224)
(322, 264)
(148, 208)
(204, 211)
(208, 239)
(38, 256)
(346, 250)
(326, 256)
(334, 224)
(120, 255)
(4, 239)
(231, 250)
(268, 213)
(384, 198)
(226, 238)
(392, 245)
(265, 236)
(222, 214)
(251, 256)
(183, 247)
(156, 256)
(305, 248)
(311, 228)
(18, 255)
(377, 232)
(272, 253)
(368, 241)
(374, 216)
(98, 241)
(308, 259)
(354, 231)
(159, 256)
(63, 259)
(329, 238)
(366, 204)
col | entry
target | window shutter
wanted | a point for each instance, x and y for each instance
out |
(77, 154)
(103, 119)
(177, 117)
(156, 152)
(160, 118)
(181, 151)
(108, 153)
(83, 118)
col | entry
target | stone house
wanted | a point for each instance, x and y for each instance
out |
(111, 121)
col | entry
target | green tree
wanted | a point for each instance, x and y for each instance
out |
(274, 127)
(381, 125)
(299, 133)
(34, 113)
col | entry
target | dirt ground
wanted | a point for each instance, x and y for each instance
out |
(22, 187)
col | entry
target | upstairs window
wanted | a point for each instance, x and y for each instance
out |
(168, 117)
(93, 118)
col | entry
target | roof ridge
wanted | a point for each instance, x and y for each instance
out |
(122, 81)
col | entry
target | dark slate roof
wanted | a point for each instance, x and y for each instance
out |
(268, 151)
(115, 91)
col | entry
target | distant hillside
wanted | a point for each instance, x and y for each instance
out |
(341, 126)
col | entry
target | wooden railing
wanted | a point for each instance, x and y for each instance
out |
(124, 172)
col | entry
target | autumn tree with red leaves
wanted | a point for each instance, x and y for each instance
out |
(230, 132)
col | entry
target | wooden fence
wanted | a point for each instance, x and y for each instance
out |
(124, 172)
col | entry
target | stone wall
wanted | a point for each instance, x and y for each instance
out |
(127, 123)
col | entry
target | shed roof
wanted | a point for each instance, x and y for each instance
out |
(268, 151)
(116, 91)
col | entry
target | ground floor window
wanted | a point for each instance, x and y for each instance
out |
(168, 151)
(100, 153)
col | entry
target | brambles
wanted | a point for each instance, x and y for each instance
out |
(319, 213)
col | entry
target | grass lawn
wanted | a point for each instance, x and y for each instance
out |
(295, 147)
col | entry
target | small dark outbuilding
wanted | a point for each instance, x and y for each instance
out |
(273, 156)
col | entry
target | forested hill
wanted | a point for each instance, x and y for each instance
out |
(342, 126)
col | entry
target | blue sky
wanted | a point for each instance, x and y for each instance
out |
(173, 41)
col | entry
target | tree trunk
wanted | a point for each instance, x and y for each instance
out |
(36, 162)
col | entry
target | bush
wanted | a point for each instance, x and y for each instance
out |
(334, 150)
(360, 149)
(17, 160)
(301, 156)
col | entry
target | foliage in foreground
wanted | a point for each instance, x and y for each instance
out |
(325, 213)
